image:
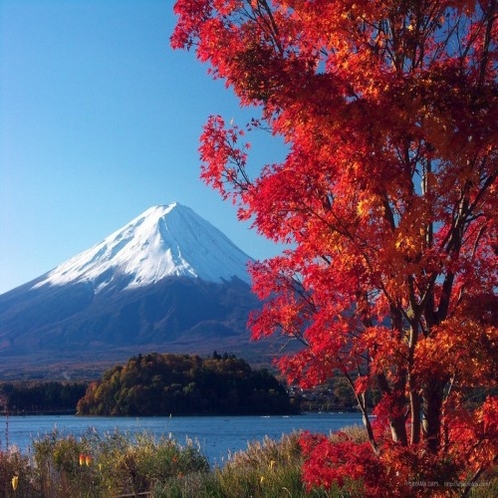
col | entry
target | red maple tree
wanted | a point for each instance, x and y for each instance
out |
(389, 197)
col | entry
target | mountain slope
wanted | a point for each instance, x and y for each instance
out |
(167, 281)
(168, 240)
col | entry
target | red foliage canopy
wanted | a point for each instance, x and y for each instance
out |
(388, 193)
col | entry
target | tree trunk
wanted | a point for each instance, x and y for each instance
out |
(362, 403)
(415, 417)
(432, 400)
(398, 430)
(397, 400)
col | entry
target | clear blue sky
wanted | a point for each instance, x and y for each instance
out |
(99, 120)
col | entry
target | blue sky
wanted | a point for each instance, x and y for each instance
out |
(99, 120)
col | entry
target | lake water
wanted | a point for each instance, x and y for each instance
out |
(218, 437)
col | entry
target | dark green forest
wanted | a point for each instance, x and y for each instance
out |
(164, 384)
(40, 397)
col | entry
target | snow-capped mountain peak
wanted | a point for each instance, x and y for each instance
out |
(166, 240)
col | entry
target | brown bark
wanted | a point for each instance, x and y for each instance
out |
(397, 416)
(432, 400)
(415, 417)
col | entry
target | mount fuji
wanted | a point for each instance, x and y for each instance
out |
(167, 281)
(164, 241)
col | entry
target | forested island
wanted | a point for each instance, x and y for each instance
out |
(157, 384)
(172, 384)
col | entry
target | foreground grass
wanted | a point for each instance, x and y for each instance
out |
(118, 464)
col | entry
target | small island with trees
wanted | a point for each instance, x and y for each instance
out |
(158, 384)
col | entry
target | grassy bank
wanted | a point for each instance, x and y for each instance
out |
(122, 465)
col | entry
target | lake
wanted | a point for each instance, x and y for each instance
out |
(218, 437)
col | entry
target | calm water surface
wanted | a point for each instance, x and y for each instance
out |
(218, 437)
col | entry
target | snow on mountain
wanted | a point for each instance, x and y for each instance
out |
(166, 240)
